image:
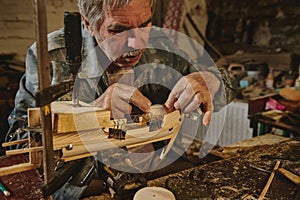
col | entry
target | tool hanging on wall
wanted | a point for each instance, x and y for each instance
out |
(73, 42)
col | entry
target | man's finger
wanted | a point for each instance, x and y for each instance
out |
(176, 91)
(207, 117)
(170, 101)
(185, 97)
(117, 114)
(118, 104)
(207, 108)
(142, 102)
(193, 105)
(123, 92)
(131, 94)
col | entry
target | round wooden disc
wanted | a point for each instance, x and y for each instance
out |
(153, 193)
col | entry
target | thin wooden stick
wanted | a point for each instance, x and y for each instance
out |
(291, 176)
(7, 144)
(263, 193)
(21, 151)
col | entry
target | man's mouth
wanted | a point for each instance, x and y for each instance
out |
(132, 54)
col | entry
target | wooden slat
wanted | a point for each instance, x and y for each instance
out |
(8, 144)
(264, 192)
(21, 151)
(291, 176)
(17, 168)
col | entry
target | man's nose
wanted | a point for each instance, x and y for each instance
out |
(132, 42)
(135, 40)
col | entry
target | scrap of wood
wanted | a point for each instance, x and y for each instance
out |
(8, 144)
(21, 151)
(34, 117)
(291, 176)
(263, 193)
(17, 168)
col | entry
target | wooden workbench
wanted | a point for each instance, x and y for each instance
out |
(235, 177)
(230, 176)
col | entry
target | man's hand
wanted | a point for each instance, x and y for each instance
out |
(117, 99)
(194, 90)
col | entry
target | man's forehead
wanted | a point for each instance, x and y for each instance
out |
(120, 4)
(135, 9)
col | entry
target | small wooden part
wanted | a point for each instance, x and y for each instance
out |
(34, 117)
(291, 176)
(8, 144)
(173, 123)
(263, 193)
(78, 157)
(34, 120)
(154, 193)
(17, 168)
(21, 151)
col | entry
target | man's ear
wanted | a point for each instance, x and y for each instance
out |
(88, 26)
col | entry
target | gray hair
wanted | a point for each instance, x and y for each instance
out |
(93, 12)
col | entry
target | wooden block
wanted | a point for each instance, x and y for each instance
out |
(74, 122)
(34, 117)
(66, 118)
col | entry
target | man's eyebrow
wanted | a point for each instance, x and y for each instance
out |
(121, 27)
(125, 27)
(146, 22)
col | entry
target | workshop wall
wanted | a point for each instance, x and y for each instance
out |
(273, 23)
(16, 23)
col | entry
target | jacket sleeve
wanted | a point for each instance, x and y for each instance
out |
(228, 87)
(25, 97)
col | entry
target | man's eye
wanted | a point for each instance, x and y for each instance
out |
(145, 25)
(116, 31)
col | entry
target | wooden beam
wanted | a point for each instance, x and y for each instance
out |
(40, 19)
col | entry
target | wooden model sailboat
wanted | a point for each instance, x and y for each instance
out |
(80, 132)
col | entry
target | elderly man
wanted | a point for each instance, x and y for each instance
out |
(121, 73)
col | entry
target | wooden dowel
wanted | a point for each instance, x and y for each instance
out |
(21, 151)
(291, 176)
(7, 144)
(263, 193)
(4, 171)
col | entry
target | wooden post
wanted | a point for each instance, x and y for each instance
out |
(40, 22)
